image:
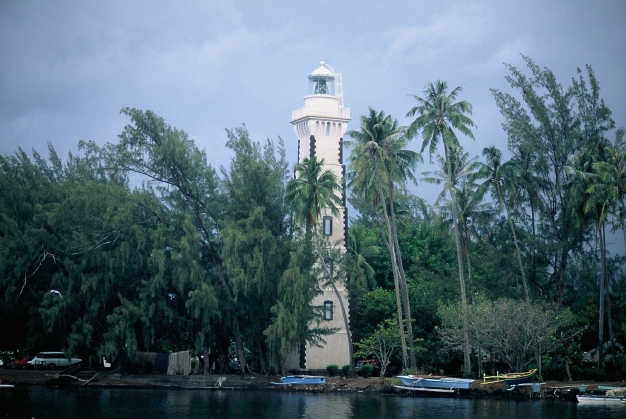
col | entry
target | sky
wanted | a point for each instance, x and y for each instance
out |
(68, 67)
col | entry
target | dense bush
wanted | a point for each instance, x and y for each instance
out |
(332, 370)
(366, 370)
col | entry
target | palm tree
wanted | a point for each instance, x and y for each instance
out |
(469, 199)
(595, 204)
(379, 160)
(437, 118)
(501, 178)
(313, 191)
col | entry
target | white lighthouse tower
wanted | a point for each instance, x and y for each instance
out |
(320, 126)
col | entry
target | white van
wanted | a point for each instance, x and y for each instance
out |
(52, 360)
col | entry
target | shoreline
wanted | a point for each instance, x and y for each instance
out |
(226, 382)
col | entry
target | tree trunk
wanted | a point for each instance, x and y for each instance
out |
(519, 255)
(241, 357)
(207, 365)
(403, 283)
(394, 269)
(601, 303)
(467, 363)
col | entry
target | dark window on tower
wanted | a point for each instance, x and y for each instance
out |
(328, 310)
(328, 226)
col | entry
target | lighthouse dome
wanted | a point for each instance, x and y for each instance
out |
(323, 70)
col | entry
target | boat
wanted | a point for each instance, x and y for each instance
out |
(593, 399)
(6, 386)
(514, 379)
(301, 379)
(435, 382)
(511, 379)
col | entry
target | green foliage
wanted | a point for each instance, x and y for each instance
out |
(366, 370)
(333, 370)
(381, 344)
(344, 370)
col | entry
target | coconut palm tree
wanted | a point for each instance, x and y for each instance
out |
(500, 178)
(438, 115)
(596, 202)
(313, 191)
(469, 198)
(379, 161)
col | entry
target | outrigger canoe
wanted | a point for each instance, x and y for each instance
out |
(511, 379)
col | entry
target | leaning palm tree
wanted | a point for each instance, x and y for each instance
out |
(313, 191)
(379, 161)
(438, 115)
(500, 178)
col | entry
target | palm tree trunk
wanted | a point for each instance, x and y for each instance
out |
(331, 281)
(394, 269)
(519, 256)
(601, 308)
(467, 363)
(403, 283)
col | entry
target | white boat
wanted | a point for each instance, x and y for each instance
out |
(435, 382)
(301, 379)
(598, 399)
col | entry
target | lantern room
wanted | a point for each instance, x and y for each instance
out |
(322, 81)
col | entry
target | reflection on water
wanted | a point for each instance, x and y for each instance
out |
(39, 402)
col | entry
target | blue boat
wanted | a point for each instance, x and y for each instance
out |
(435, 382)
(301, 379)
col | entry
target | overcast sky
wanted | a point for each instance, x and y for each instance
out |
(68, 67)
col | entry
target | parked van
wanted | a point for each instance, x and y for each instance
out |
(52, 360)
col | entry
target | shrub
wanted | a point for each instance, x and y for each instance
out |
(345, 369)
(332, 370)
(366, 370)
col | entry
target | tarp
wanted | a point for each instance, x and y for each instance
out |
(179, 363)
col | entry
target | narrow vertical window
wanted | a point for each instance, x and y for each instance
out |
(328, 310)
(328, 226)
(328, 129)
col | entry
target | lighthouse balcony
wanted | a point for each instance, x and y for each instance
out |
(320, 111)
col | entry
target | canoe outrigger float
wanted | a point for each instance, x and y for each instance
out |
(511, 379)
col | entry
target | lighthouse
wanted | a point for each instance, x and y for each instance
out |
(320, 126)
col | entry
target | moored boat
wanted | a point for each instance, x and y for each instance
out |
(435, 382)
(591, 399)
(301, 379)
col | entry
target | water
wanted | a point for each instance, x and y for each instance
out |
(40, 403)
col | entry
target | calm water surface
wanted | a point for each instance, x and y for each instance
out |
(40, 403)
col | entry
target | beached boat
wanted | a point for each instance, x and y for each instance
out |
(595, 399)
(301, 379)
(435, 382)
(511, 379)
(520, 378)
